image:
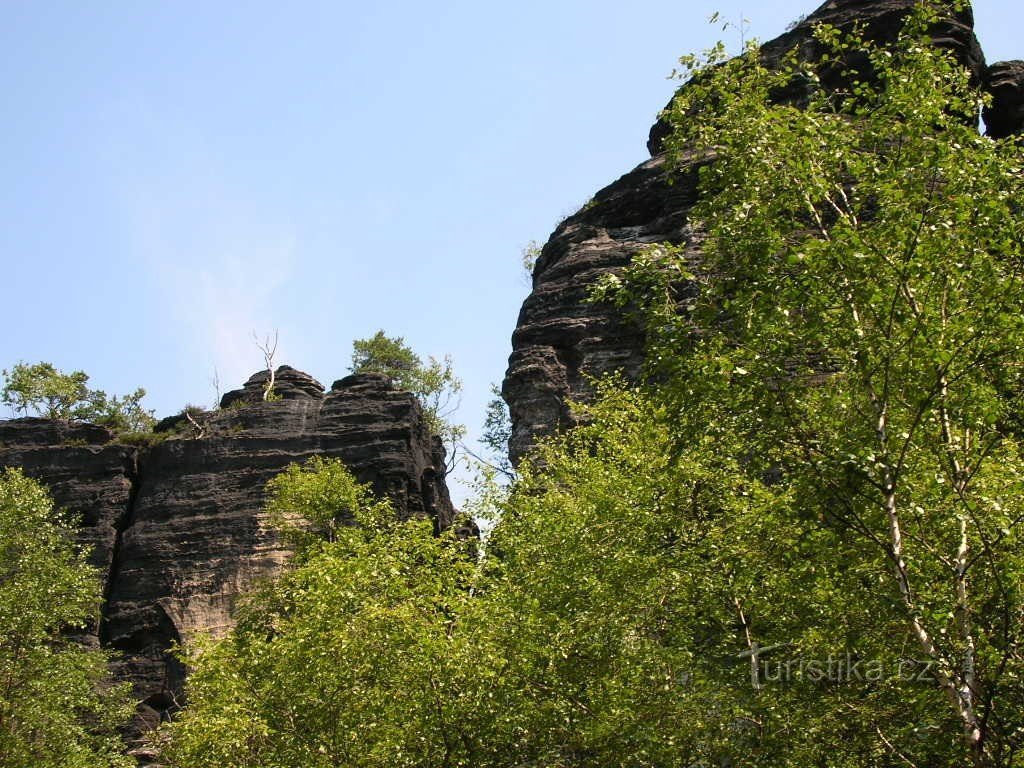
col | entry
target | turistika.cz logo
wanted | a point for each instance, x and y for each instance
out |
(845, 667)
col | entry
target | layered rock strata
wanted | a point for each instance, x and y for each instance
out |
(1005, 115)
(176, 527)
(561, 340)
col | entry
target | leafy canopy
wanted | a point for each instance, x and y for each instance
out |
(433, 382)
(310, 501)
(54, 394)
(347, 659)
(862, 329)
(57, 707)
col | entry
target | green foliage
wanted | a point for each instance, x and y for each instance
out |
(496, 433)
(346, 660)
(388, 355)
(799, 546)
(434, 383)
(57, 707)
(860, 295)
(633, 573)
(598, 582)
(44, 389)
(528, 258)
(312, 501)
(121, 414)
(56, 395)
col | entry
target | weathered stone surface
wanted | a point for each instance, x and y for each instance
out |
(560, 336)
(177, 527)
(289, 384)
(1005, 115)
(86, 474)
(561, 339)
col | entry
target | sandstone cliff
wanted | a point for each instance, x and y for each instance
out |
(176, 527)
(560, 339)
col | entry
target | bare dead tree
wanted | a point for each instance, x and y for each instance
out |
(198, 430)
(215, 383)
(268, 347)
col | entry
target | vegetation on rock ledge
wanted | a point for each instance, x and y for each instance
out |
(801, 546)
(798, 544)
(54, 394)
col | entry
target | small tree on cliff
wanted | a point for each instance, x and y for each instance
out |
(268, 348)
(497, 431)
(57, 706)
(42, 388)
(434, 382)
(54, 394)
(862, 316)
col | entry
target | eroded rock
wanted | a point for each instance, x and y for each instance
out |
(177, 527)
(561, 339)
(1005, 115)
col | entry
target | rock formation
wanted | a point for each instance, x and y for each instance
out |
(176, 526)
(561, 340)
(881, 21)
(1005, 115)
(86, 474)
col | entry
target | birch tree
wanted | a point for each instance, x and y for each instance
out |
(862, 320)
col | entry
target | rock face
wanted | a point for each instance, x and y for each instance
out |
(85, 473)
(177, 526)
(561, 339)
(1005, 116)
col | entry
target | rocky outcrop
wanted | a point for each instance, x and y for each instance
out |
(1005, 115)
(86, 474)
(561, 340)
(289, 384)
(177, 526)
(561, 337)
(880, 21)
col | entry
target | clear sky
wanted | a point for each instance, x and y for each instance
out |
(179, 174)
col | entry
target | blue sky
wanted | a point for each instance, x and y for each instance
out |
(178, 175)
